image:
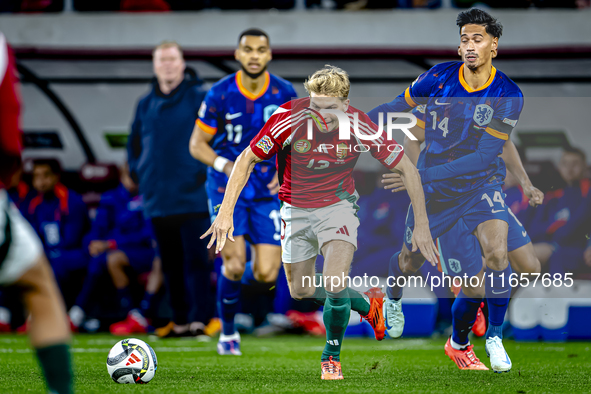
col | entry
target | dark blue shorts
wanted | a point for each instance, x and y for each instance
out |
(517, 237)
(257, 220)
(460, 251)
(453, 227)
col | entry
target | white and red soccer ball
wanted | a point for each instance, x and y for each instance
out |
(132, 361)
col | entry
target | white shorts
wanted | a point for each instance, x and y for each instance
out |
(305, 230)
(20, 248)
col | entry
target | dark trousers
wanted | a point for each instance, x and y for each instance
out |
(186, 265)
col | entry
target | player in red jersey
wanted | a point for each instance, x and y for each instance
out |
(22, 263)
(318, 212)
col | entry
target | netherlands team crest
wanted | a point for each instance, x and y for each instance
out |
(408, 235)
(483, 114)
(302, 146)
(454, 265)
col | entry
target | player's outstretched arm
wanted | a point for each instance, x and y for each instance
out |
(488, 149)
(421, 238)
(412, 149)
(202, 151)
(511, 157)
(223, 225)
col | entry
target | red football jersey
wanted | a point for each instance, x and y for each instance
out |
(10, 137)
(318, 172)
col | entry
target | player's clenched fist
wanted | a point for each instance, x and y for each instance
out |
(535, 195)
(222, 227)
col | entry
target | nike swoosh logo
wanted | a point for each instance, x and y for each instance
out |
(233, 116)
(524, 233)
(438, 103)
(386, 320)
(229, 302)
(500, 292)
(497, 210)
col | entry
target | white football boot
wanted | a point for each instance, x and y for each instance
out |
(393, 317)
(229, 345)
(499, 360)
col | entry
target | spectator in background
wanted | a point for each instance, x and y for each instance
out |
(20, 193)
(120, 237)
(173, 186)
(516, 199)
(559, 227)
(60, 217)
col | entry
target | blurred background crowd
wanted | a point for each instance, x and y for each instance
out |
(193, 5)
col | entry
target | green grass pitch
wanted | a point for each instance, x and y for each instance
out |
(291, 364)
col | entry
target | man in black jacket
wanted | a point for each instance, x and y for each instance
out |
(173, 185)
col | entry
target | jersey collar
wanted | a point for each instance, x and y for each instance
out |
(245, 91)
(493, 72)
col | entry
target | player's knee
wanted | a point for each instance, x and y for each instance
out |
(534, 266)
(474, 292)
(496, 259)
(301, 292)
(265, 274)
(234, 269)
(116, 260)
(495, 256)
(410, 264)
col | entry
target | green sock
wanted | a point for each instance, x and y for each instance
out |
(319, 296)
(337, 310)
(358, 303)
(57, 367)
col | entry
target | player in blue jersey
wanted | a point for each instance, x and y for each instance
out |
(470, 111)
(233, 112)
(456, 251)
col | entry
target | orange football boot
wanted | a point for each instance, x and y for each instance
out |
(331, 370)
(464, 359)
(479, 327)
(375, 317)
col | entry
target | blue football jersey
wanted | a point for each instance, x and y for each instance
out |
(234, 116)
(455, 118)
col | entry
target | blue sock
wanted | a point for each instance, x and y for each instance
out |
(394, 292)
(146, 304)
(464, 311)
(498, 293)
(228, 299)
(248, 275)
(125, 299)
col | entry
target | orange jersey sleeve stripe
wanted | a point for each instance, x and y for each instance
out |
(408, 98)
(207, 128)
(497, 134)
(421, 124)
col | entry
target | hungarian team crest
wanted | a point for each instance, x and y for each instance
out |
(342, 150)
(302, 146)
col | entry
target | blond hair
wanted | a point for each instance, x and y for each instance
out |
(168, 44)
(329, 81)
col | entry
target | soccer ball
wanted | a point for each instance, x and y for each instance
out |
(132, 361)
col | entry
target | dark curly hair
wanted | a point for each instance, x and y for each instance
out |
(475, 16)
